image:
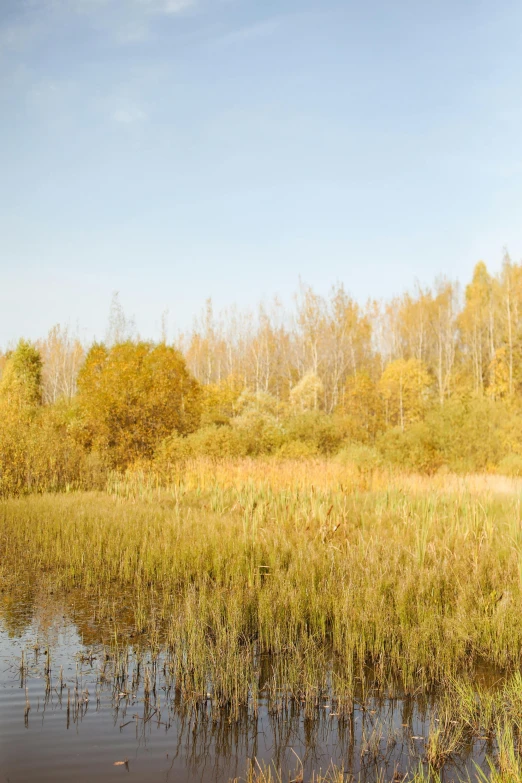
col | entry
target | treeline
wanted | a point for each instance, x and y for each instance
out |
(430, 379)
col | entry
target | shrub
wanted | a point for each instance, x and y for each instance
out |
(37, 454)
(131, 396)
(171, 451)
(317, 429)
(214, 441)
(510, 465)
(415, 448)
(297, 449)
(258, 424)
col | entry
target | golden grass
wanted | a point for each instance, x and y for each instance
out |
(299, 581)
(277, 557)
(321, 473)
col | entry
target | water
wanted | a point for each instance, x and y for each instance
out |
(70, 712)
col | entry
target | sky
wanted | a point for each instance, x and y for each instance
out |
(174, 150)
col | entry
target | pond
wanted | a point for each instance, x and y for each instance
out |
(74, 707)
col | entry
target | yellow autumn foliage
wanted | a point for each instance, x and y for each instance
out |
(425, 382)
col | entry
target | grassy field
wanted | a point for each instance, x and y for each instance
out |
(342, 581)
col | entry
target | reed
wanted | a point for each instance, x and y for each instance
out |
(294, 580)
(420, 585)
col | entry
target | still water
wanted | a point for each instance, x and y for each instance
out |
(71, 709)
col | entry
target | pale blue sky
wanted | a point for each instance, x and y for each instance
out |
(180, 149)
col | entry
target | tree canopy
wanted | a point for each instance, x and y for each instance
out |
(21, 383)
(133, 395)
(431, 378)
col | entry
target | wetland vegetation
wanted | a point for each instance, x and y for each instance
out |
(295, 546)
(289, 592)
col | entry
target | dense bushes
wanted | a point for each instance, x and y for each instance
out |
(474, 434)
(132, 396)
(38, 453)
(138, 405)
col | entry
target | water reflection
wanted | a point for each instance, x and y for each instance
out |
(74, 707)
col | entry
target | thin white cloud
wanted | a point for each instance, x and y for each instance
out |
(19, 35)
(258, 30)
(175, 6)
(129, 115)
(132, 32)
(127, 21)
(165, 6)
(51, 102)
(123, 7)
(73, 6)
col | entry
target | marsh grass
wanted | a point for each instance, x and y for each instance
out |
(267, 773)
(417, 585)
(295, 580)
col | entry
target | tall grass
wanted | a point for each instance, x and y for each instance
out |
(294, 580)
(233, 562)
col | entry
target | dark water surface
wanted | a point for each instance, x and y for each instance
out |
(68, 712)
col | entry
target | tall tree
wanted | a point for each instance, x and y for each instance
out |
(346, 344)
(477, 326)
(404, 387)
(62, 356)
(21, 383)
(120, 327)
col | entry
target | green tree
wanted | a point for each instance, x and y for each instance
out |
(36, 452)
(21, 383)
